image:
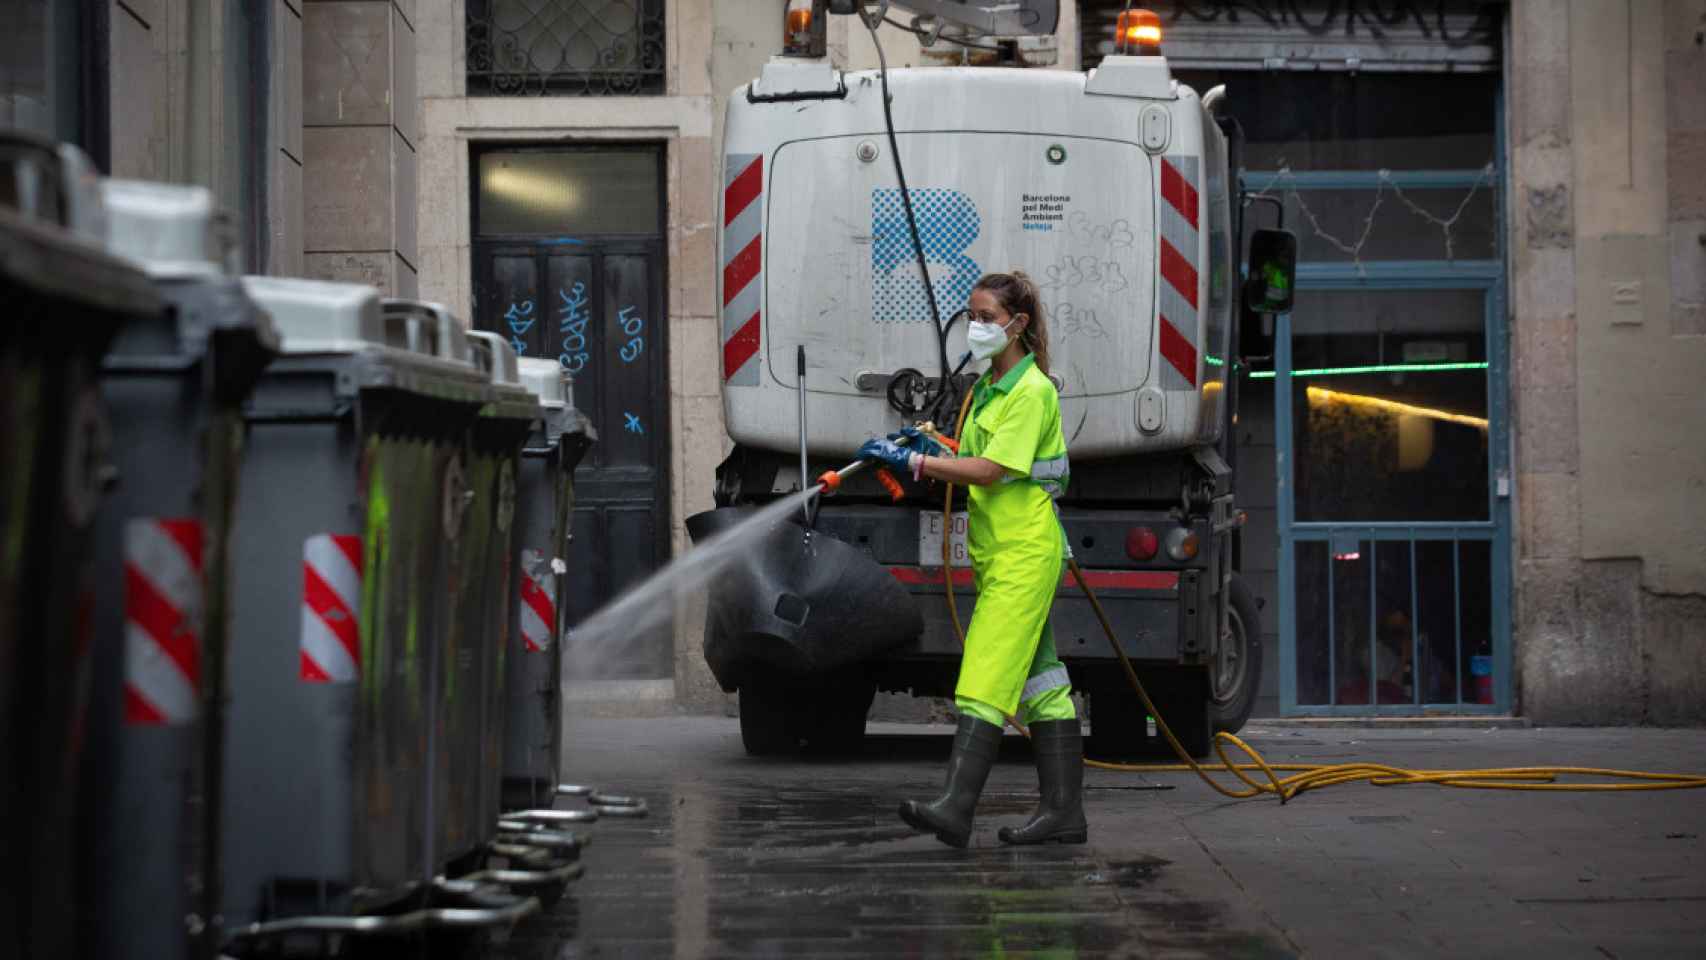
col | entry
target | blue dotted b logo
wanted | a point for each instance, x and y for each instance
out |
(947, 226)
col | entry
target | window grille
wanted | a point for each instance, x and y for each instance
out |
(565, 47)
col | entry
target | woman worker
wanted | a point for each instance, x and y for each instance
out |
(1012, 460)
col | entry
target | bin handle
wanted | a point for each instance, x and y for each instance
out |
(399, 923)
(542, 838)
(528, 878)
(551, 816)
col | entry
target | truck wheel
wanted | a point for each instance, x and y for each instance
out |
(837, 720)
(768, 725)
(1236, 675)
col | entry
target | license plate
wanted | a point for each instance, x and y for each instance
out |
(930, 540)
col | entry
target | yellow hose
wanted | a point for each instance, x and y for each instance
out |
(1304, 776)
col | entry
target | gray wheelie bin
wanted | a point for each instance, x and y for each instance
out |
(468, 770)
(64, 298)
(175, 384)
(544, 504)
(351, 540)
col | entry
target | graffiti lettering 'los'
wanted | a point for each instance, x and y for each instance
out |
(632, 327)
(572, 318)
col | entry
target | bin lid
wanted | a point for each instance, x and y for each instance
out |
(551, 385)
(547, 380)
(428, 328)
(494, 357)
(50, 183)
(317, 316)
(323, 325)
(170, 229)
(51, 262)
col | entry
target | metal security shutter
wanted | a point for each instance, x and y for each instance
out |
(1391, 36)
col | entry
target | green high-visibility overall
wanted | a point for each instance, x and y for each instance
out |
(1017, 548)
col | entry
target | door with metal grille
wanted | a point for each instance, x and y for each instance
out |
(1394, 495)
(1382, 540)
(569, 264)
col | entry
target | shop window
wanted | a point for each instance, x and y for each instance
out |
(1389, 405)
(1371, 167)
(565, 47)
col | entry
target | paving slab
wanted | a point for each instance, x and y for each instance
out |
(805, 857)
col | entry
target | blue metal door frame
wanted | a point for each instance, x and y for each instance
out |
(1486, 276)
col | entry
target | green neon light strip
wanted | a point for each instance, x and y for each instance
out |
(1381, 368)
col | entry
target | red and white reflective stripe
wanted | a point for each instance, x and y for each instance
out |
(1178, 296)
(331, 604)
(162, 620)
(1099, 579)
(538, 602)
(743, 265)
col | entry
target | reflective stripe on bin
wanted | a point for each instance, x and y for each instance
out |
(331, 601)
(162, 621)
(538, 602)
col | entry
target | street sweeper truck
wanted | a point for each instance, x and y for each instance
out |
(858, 210)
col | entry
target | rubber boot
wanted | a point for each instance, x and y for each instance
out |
(1060, 773)
(949, 816)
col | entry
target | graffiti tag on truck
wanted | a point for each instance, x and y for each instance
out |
(1104, 275)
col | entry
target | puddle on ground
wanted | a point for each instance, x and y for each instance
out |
(750, 868)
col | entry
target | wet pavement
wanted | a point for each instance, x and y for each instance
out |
(794, 858)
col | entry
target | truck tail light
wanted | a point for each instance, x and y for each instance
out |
(1141, 544)
(1182, 544)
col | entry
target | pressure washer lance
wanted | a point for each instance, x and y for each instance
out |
(830, 481)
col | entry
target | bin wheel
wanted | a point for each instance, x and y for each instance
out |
(1236, 675)
(768, 724)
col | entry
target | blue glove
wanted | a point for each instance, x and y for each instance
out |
(921, 442)
(889, 453)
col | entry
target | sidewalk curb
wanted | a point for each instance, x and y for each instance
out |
(1392, 723)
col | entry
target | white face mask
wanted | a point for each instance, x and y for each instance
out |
(986, 339)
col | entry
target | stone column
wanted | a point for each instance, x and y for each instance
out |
(699, 441)
(1608, 134)
(360, 127)
(1543, 382)
(284, 140)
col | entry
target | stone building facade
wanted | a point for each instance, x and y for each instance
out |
(1608, 275)
(348, 134)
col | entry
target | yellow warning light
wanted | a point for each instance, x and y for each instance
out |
(800, 20)
(797, 29)
(1139, 29)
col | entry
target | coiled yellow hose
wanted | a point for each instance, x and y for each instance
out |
(1304, 776)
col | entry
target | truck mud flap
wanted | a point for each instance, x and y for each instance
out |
(801, 606)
